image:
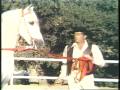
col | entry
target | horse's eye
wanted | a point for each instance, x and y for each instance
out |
(31, 23)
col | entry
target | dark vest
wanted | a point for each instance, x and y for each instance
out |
(70, 52)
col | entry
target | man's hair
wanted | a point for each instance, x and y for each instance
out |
(80, 29)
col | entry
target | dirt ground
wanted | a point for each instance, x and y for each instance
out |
(46, 87)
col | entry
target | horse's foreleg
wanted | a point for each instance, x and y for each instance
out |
(7, 65)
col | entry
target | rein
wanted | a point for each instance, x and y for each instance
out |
(85, 65)
(17, 49)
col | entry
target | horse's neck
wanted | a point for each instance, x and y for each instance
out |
(10, 27)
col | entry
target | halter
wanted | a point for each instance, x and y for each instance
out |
(23, 14)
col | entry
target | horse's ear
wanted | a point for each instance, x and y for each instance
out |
(30, 7)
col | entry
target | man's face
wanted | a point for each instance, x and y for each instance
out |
(79, 37)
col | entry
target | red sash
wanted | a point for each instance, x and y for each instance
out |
(85, 67)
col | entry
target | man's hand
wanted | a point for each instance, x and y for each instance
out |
(88, 56)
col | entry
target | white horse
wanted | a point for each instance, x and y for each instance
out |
(23, 22)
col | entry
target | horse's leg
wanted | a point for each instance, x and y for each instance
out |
(7, 67)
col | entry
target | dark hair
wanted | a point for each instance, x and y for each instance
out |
(80, 29)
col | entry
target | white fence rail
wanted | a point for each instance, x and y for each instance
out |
(53, 77)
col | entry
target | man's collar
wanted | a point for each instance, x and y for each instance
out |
(84, 46)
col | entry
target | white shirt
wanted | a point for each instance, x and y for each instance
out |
(97, 54)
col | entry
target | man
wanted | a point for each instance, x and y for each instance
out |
(80, 79)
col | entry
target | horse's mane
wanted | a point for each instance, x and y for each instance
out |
(10, 21)
(15, 13)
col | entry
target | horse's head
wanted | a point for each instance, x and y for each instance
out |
(29, 28)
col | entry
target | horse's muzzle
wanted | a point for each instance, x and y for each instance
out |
(38, 43)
